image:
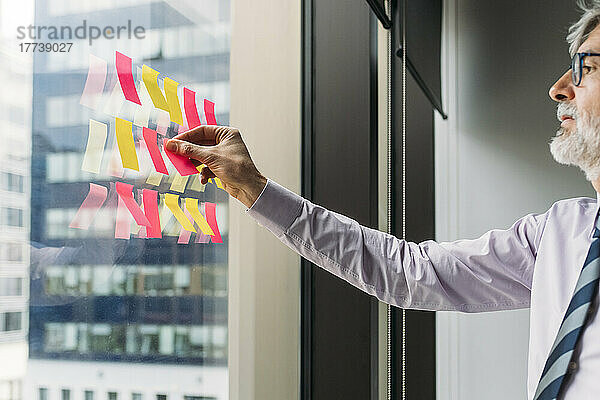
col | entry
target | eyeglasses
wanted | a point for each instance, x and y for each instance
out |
(577, 66)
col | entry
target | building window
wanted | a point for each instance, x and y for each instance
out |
(11, 321)
(13, 252)
(11, 182)
(11, 286)
(88, 395)
(112, 396)
(136, 396)
(12, 216)
(161, 397)
(42, 393)
(10, 390)
(65, 394)
(198, 398)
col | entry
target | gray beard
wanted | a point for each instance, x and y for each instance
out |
(580, 147)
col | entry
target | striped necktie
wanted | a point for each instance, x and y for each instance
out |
(560, 362)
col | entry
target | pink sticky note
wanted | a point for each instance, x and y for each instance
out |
(142, 232)
(123, 221)
(94, 83)
(184, 236)
(211, 218)
(150, 136)
(183, 128)
(209, 112)
(182, 164)
(124, 191)
(124, 71)
(150, 198)
(189, 105)
(90, 206)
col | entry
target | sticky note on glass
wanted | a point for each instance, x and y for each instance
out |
(172, 100)
(94, 150)
(179, 183)
(90, 206)
(192, 207)
(150, 200)
(125, 192)
(182, 164)
(172, 202)
(150, 78)
(150, 137)
(211, 218)
(124, 67)
(209, 112)
(191, 111)
(115, 102)
(114, 167)
(184, 236)
(154, 178)
(124, 131)
(94, 83)
(197, 185)
(122, 221)
(218, 182)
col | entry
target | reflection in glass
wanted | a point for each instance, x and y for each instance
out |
(82, 314)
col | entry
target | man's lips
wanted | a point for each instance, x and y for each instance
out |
(565, 120)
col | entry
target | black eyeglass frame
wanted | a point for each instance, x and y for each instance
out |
(579, 57)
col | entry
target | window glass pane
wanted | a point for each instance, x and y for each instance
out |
(11, 286)
(12, 321)
(43, 394)
(11, 182)
(89, 281)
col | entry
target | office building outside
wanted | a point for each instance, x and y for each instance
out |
(112, 318)
(15, 112)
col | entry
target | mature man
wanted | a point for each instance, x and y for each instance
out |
(549, 262)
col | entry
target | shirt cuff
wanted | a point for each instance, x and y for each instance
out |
(276, 208)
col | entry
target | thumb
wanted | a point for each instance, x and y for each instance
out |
(190, 150)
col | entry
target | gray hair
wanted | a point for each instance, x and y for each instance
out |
(580, 30)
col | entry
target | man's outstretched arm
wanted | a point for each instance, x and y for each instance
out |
(490, 273)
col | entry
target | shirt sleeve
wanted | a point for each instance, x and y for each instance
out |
(490, 273)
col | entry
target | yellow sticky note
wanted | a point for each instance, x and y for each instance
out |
(126, 144)
(173, 100)
(179, 183)
(192, 206)
(154, 178)
(165, 216)
(94, 150)
(172, 201)
(150, 78)
(219, 183)
(196, 184)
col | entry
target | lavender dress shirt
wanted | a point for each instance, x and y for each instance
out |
(535, 263)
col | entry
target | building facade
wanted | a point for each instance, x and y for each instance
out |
(112, 318)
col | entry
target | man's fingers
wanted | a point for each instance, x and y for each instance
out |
(202, 134)
(206, 174)
(190, 150)
(206, 135)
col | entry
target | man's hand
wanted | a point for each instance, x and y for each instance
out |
(225, 156)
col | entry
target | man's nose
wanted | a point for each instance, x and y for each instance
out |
(563, 88)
